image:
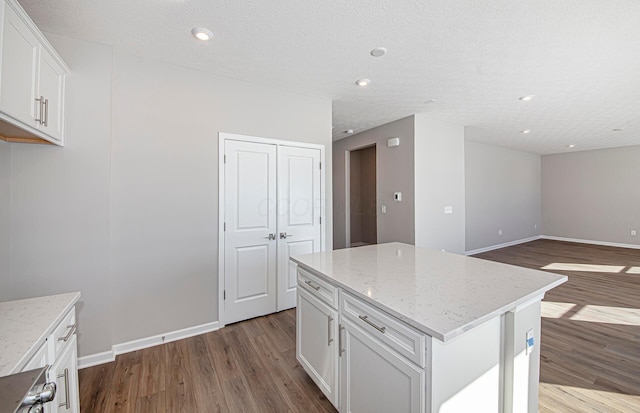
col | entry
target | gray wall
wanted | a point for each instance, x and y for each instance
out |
(395, 173)
(502, 191)
(5, 220)
(439, 182)
(60, 214)
(592, 195)
(166, 121)
(127, 211)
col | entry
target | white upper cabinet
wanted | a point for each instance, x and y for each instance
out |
(51, 86)
(32, 79)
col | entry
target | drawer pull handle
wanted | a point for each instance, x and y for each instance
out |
(315, 287)
(365, 318)
(66, 403)
(330, 319)
(71, 331)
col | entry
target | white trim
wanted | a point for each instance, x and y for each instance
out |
(96, 359)
(129, 346)
(347, 198)
(222, 138)
(504, 245)
(221, 221)
(586, 241)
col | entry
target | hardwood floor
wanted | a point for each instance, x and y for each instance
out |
(590, 350)
(245, 367)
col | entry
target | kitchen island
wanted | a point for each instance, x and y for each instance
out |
(393, 327)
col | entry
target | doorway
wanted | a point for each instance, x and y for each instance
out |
(363, 227)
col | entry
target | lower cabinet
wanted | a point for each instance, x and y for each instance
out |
(360, 368)
(65, 373)
(60, 353)
(374, 378)
(316, 344)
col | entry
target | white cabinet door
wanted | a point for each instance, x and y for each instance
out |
(316, 333)
(18, 83)
(51, 88)
(250, 235)
(299, 210)
(375, 379)
(65, 373)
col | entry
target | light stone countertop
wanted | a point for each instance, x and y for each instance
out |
(439, 293)
(25, 325)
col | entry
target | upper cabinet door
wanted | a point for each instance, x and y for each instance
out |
(18, 84)
(51, 88)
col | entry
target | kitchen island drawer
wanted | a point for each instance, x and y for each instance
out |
(388, 329)
(318, 287)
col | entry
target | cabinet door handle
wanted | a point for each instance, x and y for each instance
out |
(270, 237)
(365, 318)
(315, 287)
(40, 110)
(340, 349)
(330, 319)
(72, 330)
(66, 389)
(283, 235)
(46, 112)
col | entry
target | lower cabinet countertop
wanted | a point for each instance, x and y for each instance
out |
(438, 293)
(25, 325)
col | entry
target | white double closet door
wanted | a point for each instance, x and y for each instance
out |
(272, 209)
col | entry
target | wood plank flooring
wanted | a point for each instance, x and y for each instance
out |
(245, 367)
(590, 350)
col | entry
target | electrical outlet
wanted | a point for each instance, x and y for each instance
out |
(633, 232)
(499, 232)
(383, 209)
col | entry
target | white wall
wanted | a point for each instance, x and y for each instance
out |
(395, 173)
(60, 212)
(502, 190)
(592, 195)
(127, 211)
(439, 182)
(5, 220)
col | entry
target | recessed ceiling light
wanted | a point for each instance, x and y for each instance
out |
(525, 131)
(571, 146)
(349, 131)
(363, 82)
(526, 98)
(430, 101)
(202, 34)
(617, 130)
(378, 52)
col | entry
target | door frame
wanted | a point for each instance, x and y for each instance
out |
(222, 138)
(347, 189)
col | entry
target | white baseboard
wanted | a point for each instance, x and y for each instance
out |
(587, 241)
(108, 356)
(504, 245)
(95, 359)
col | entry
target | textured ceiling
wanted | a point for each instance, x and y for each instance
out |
(580, 58)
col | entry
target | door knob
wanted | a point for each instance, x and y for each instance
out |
(283, 235)
(271, 237)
